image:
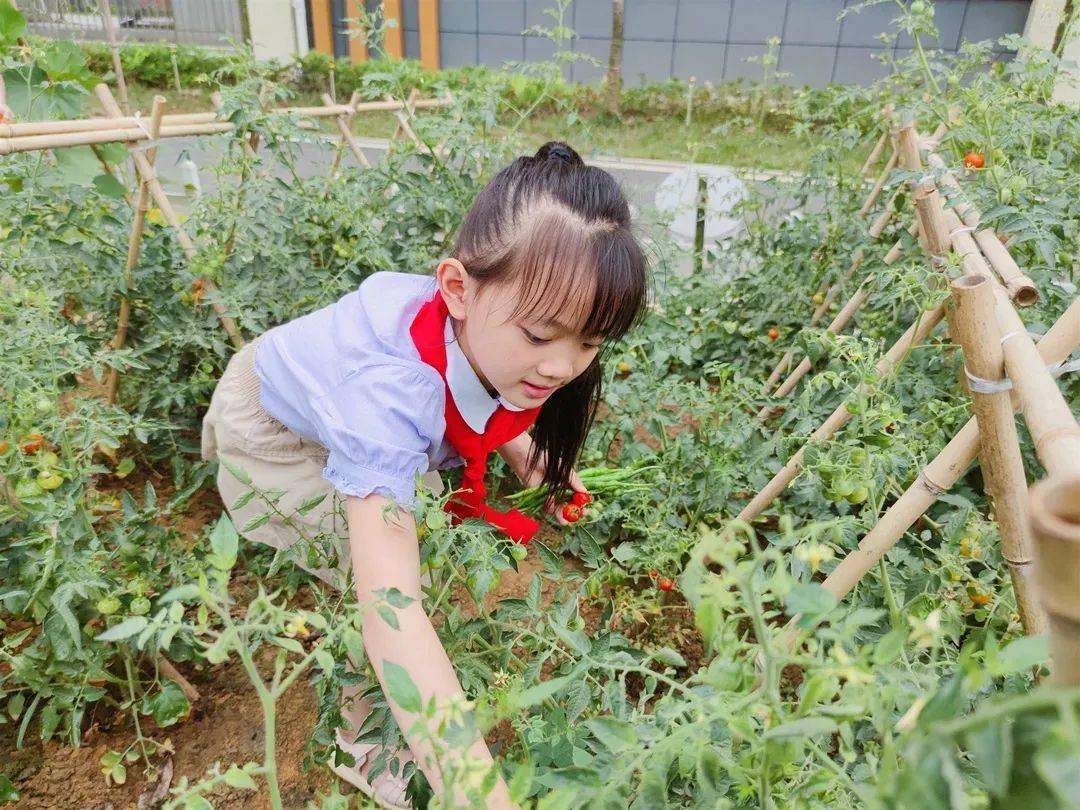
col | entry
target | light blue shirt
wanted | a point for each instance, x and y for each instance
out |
(349, 377)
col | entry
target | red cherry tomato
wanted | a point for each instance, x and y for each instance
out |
(665, 584)
(974, 160)
(774, 333)
(581, 499)
(571, 513)
(653, 573)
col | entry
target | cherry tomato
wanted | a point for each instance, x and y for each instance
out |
(665, 584)
(49, 480)
(518, 552)
(653, 573)
(107, 605)
(33, 443)
(974, 160)
(624, 367)
(581, 499)
(571, 513)
(4, 447)
(859, 494)
(774, 333)
(139, 606)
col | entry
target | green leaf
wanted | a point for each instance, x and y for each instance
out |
(237, 778)
(223, 542)
(12, 25)
(255, 522)
(310, 503)
(542, 691)
(401, 688)
(8, 793)
(127, 628)
(197, 803)
(386, 613)
(244, 499)
(802, 728)
(1056, 762)
(125, 467)
(109, 186)
(889, 646)
(16, 705)
(169, 705)
(666, 655)
(991, 751)
(181, 593)
(325, 660)
(1023, 654)
(811, 602)
(615, 735)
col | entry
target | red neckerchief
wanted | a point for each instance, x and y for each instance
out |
(429, 336)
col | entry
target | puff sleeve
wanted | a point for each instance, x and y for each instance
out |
(380, 426)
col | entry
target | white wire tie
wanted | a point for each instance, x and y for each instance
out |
(979, 385)
(1012, 334)
(962, 229)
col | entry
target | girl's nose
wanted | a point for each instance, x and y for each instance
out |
(556, 368)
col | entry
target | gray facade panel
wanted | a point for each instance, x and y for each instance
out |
(457, 16)
(702, 60)
(703, 20)
(709, 39)
(648, 19)
(498, 49)
(412, 44)
(642, 58)
(502, 16)
(736, 65)
(990, 19)
(807, 64)
(457, 50)
(863, 27)
(858, 66)
(598, 49)
(592, 18)
(410, 15)
(754, 21)
(813, 22)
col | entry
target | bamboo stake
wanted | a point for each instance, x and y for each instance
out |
(146, 172)
(142, 206)
(939, 476)
(915, 335)
(1021, 289)
(33, 143)
(344, 125)
(403, 124)
(31, 128)
(843, 317)
(999, 448)
(1053, 428)
(118, 68)
(875, 153)
(879, 184)
(1055, 518)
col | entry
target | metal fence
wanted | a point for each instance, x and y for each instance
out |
(187, 22)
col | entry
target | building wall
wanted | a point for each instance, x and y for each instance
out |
(709, 39)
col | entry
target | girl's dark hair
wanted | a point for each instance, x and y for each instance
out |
(560, 231)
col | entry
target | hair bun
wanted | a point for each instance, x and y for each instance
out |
(557, 150)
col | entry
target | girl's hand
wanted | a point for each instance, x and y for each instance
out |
(516, 454)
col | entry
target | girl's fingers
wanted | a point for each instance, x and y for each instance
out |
(575, 482)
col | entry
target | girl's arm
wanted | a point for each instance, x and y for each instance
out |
(386, 554)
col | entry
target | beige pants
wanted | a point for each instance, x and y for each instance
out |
(293, 508)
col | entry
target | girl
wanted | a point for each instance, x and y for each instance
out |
(409, 374)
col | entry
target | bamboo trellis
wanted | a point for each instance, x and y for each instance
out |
(997, 346)
(117, 127)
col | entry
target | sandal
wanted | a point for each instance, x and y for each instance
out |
(386, 790)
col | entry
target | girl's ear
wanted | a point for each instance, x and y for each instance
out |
(454, 286)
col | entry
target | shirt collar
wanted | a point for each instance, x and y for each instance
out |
(473, 401)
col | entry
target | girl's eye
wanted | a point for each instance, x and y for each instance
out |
(535, 339)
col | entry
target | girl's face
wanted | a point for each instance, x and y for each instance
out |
(524, 358)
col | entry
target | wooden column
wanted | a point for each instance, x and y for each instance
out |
(322, 26)
(394, 44)
(429, 34)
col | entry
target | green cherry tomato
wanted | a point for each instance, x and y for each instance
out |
(139, 606)
(49, 480)
(843, 487)
(27, 488)
(518, 552)
(859, 494)
(107, 605)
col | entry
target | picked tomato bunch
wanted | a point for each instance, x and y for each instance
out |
(662, 583)
(574, 511)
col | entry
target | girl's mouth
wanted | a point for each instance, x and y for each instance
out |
(537, 391)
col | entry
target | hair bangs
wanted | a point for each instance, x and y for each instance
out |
(590, 279)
